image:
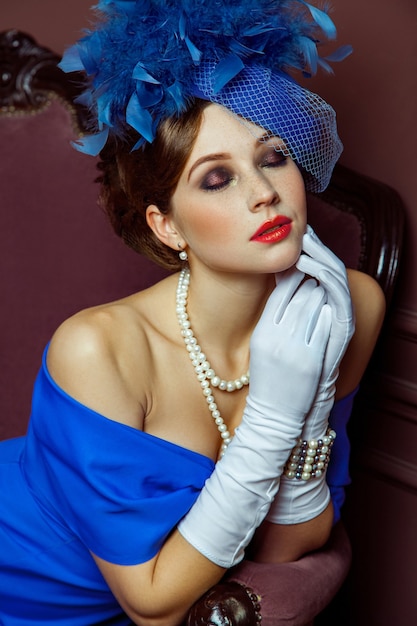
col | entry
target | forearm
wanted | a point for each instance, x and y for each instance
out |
(161, 591)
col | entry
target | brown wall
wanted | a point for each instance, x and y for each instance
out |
(375, 95)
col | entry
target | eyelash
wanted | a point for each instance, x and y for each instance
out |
(227, 178)
(278, 158)
(219, 173)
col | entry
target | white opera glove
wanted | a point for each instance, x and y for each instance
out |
(287, 346)
(304, 493)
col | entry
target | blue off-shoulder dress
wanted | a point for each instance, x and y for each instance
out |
(79, 482)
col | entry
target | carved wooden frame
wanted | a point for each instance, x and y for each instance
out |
(30, 77)
(381, 215)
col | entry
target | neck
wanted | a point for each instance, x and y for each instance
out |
(223, 310)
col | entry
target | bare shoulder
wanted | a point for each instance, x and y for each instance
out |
(369, 307)
(91, 357)
(367, 296)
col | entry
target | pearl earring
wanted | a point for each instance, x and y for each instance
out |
(183, 255)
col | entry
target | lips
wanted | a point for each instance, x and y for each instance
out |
(273, 230)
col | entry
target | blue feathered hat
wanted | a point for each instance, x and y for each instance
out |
(146, 59)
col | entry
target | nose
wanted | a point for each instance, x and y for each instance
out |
(263, 192)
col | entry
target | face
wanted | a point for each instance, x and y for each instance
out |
(240, 203)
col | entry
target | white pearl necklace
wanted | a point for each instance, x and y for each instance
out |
(205, 373)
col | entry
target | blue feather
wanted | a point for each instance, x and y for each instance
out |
(140, 73)
(226, 69)
(85, 99)
(90, 52)
(140, 119)
(176, 92)
(325, 66)
(340, 54)
(194, 51)
(71, 61)
(142, 54)
(103, 113)
(92, 144)
(149, 95)
(309, 52)
(323, 20)
(242, 50)
(258, 29)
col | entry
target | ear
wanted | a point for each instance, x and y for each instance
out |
(163, 226)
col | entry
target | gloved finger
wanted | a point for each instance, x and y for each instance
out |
(321, 329)
(313, 247)
(338, 294)
(304, 309)
(287, 284)
(312, 266)
(291, 276)
(336, 286)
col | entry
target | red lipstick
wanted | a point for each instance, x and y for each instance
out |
(273, 230)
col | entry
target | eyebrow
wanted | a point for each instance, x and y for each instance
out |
(226, 155)
(207, 158)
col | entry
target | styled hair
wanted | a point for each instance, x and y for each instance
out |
(132, 180)
(147, 66)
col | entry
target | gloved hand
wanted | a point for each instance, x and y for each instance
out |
(303, 498)
(286, 356)
(321, 263)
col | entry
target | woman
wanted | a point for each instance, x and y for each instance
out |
(122, 514)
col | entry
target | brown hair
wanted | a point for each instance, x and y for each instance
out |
(132, 180)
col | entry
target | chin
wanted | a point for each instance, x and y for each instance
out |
(289, 259)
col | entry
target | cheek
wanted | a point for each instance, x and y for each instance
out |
(303, 214)
(211, 232)
(204, 222)
(299, 200)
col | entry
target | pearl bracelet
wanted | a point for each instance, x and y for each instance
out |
(309, 459)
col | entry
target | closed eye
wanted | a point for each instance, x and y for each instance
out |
(274, 157)
(216, 179)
